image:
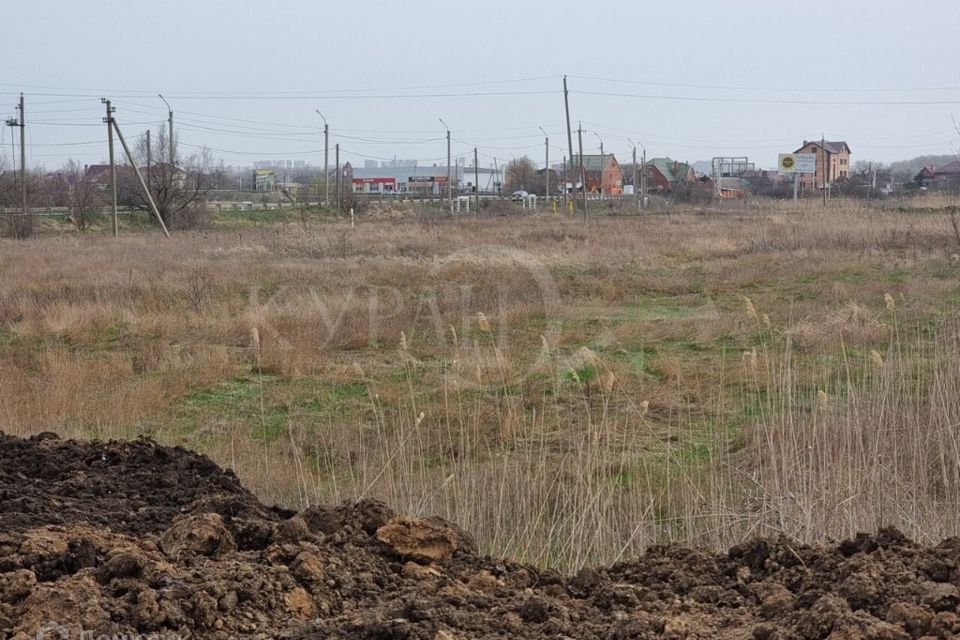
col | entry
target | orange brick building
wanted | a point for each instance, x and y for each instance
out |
(834, 156)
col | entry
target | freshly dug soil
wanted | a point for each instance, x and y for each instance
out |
(131, 538)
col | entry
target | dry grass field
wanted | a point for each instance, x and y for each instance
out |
(568, 393)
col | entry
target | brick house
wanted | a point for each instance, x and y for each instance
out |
(835, 156)
(664, 174)
(947, 175)
(603, 173)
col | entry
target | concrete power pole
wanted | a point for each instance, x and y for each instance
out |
(601, 163)
(113, 167)
(337, 151)
(148, 158)
(326, 160)
(136, 172)
(170, 144)
(583, 172)
(449, 179)
(546, 165)
(476, 180)
(643, 177)
(23, 159)
(826, 165)
(566, 105)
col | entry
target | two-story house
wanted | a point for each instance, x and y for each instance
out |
(832, 157)
(603, 173)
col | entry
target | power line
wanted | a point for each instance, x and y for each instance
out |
(686, 85)
(854, 103)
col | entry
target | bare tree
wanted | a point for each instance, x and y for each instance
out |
(521, 173)
(179, 190)
(14, 223)
(78, 190)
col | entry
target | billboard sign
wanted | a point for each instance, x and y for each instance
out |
(797, 163)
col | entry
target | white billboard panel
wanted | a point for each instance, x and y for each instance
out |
(797, 163)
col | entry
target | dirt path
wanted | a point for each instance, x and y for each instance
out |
(134, 538)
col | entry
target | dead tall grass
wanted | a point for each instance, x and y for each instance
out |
(877, 446)
(664, 408)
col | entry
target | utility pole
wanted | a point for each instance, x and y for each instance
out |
(23, 159)
(636, 193)
(601, 163)
(566, 106)
(566, 195)
(148, 159)
(326, 160)
(546, 164)
(136, 172)
(449, 179)
(170, 144)
(476, 179)
(338, 176)
(113, 167)
(823, 151)
(583, 174)
(643, 175)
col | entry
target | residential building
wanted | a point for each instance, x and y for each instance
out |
(834, 157)
(602, 174)
(664, 174)
(947, 175)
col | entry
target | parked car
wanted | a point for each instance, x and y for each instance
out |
(519, 194)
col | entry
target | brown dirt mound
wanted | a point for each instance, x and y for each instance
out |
(134, 538)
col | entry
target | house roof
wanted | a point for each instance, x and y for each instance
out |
(951, 168)
(836, 146)
(96, 169)
(594, 162)
(671, 169)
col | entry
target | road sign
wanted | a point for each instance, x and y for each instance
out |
(797, 163)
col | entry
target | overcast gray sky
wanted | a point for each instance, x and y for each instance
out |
(689, 80)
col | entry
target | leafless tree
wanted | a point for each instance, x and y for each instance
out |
(521, 173)
(179, 190)
(15, 224)
(76, 189)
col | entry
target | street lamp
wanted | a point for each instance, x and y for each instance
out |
(170, 122)
(326, 159)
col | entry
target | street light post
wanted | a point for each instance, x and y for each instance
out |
(170, 135)
(326, 160)
(546, 164)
